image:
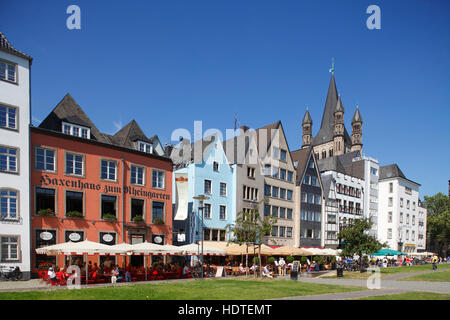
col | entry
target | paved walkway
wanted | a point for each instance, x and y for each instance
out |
(388, 285)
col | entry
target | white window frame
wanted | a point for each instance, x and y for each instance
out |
(73, 164)
(108, 161)
(8, 159)
(72, 130)
(9, 198)
(226, 189)
(158, 182)
(9, 244)
(7, 117)
(220, 212)
(145, 147)
(207, 214)
(136, 175)
(210, 186)
(7, 66)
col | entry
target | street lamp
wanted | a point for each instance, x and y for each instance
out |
(201, 198)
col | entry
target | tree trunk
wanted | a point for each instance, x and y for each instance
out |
(246, 260)
(259, 260)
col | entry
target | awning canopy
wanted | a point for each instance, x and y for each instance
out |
(389, 252)
(195, 249)
(236, 249)
(291, 251)
(78, 248)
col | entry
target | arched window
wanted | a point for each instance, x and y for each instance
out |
(324, 154)
(330, 152)
(9, 199)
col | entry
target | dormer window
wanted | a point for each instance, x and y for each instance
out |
(145, 147)
(8, 72)
(75, 130)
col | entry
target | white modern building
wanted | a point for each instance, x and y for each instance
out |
(422, 228)
(15, 114)
(399, 214)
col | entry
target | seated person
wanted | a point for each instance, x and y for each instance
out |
(120, 274)
(266, 272)
(127, 276)
(52, 274)
(241, 269)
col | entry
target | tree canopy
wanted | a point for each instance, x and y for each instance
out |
(438, 222)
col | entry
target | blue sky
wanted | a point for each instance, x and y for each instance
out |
(168, 63)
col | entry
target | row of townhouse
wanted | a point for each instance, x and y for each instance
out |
(65, 180)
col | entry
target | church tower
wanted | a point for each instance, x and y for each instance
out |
(338, 132)
(357, 131)
(307, 130)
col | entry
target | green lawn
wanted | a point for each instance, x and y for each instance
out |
(389, 271)
(442, 276)
(411, 296)
(212, 289)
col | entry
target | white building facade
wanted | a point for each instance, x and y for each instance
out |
(14, 157)
(399, 211)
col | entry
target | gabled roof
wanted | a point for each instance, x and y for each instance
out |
(301, 156)
(130, 134)
(393, 171)
(343, 164)
(6, 46)
(326, 182)
(326, 131)
(69, 110)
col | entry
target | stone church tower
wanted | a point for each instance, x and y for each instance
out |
(333, 138)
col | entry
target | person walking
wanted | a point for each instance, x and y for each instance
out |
(282, 266)
(434, 261)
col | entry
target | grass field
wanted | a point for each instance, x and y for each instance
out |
(411, 296)
(389, 271)
(239, 289)
(443, 276)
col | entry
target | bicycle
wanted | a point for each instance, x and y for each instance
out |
(11, 273)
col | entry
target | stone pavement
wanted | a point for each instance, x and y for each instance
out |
(388, 285)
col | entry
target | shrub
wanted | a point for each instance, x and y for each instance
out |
(255, 260)
(75, 214)
(109, 217)
(138, 219)
(290, 259)
(46, 213)
(303, 260)
(271, 260)
(158, 221)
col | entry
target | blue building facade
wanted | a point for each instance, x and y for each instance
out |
(212, 177)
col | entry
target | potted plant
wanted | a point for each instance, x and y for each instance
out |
(138, 219)
(271, 260)
(109, 217)
(46, 213)
(290, 259)
(158, 221)
(75, 214)
(303, 261)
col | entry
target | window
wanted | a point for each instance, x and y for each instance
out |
(108, 205)
(74, 203)
(275, 192)
(157, 211)
(408, 190)
(45, 200)
(289, 232)
(401, 217)
(275, 153)
(222, 212)
(391, 187)
(45, 159)
(8, 117)
(407, 234)
(74, 236)
(310, 198)
(266, 210)
(311, 163)
(215, 166)
(250, 172)
(282, 212)
(407, 204)
(207, 187)
(10, 248)
(77, 131)
(314, 182)
(310, 216)
(267, 190)
(267, 169)
(317, 199)
(137, 208)
(8, 159)
(330, 152)
(282, 174)
(8, 72)
(389, 233)
(307, 180)
(289, 194)
(390, 217)
(309, 233)
(158, 178)
(317, 216)
(145, 147)
(137, 175)
(331, 218)
(275, 172)
(303, 197)
(303, 215)
(324, 154)
(282, 193)
(289, 214)
(283, 155)
(274, 231)
(390, 202)
(413, 220)
(207, 211)
(282, 232)
(223, 189)
(290, 175)
(108, 170)
(74, 164)
(250, 193)
(8, 204)
(407, 218)
(275, 211)
(316, 234)
(414, 206)
(206, 234)
(373, 171)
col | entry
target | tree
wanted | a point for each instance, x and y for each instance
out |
(438, 222)
(251, 228)
(357, 240)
